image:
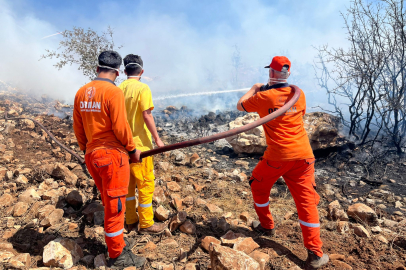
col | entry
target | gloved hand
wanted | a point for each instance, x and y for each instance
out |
(135, 157)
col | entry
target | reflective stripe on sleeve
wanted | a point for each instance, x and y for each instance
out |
(145, 205)
(114, 233)
(311, 225)
(262, 205)
(130, 198)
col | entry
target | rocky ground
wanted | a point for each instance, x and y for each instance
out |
(51, 215)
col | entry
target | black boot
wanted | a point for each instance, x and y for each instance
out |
(256, 225)
(315, 262)
(126, 259)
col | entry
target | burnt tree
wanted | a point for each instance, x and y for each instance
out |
(368, 77)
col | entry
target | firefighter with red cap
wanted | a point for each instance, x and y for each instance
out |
(289, 155)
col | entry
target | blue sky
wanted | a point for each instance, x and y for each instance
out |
(182, 42)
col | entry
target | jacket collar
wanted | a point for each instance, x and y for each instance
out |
(274, 86)
(104, 80)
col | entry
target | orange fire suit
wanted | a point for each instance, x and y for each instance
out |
(101, 128)
(288, 154)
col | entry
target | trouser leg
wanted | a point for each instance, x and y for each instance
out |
(146, 185)
(263, 178)
(131, 215)
(112, 168)
(301, 183)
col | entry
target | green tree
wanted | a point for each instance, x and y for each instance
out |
(82, 47)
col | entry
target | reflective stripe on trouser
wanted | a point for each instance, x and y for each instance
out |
(299, 177)
(110, 171)
(142, 178)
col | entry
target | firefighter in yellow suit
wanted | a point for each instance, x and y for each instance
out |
(138, 103)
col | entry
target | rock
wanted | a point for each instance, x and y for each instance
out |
(360, 230)
(162, 266)
(382, 239)
(223, 224)
(341, 265)
(88, 260)
(56, 255)
(74, 249)
(6, 200)
(389, 223)
(335, 212)
(207, 241)
(63, 173)
(27, 124)
(322, 129)
(161, 213)
(200, 202)
(20, 261)
(213, 208)
(195, 157)
(20, 209)
(179, 157)
(98, 218)
(6, 245)
(29, 196)
(173, 186)
(177, 220)
(74, 198)
(159, 195)
(164, 166)
(188, 201)
(343, 227)
(89, 210)
(224, 258)
(150, 246)
(246, 245)
(360, 211)
(169, 243)
(100, 261)
(230, 238)
(188, 227)
(45, 211)
(190, 266)
(53, 218)
(5, 256)
(376, 229)
(289, 215)
(337, 257)
(252, 141)
(261, 258)
(21, 179)
(398, 204)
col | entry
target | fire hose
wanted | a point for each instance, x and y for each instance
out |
(193, 142)
(230, 132)
(50, 135)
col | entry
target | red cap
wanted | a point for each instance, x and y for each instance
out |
(278, 62)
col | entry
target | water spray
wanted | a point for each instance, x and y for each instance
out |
(202, 94)
(197, 141)
(231, 132)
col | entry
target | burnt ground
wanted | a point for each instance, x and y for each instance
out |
(346, 175)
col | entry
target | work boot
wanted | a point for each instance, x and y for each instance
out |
(157, 228)
(129, 243)
(132, 227)
(126, 259)
(315, 262)
(256, 225)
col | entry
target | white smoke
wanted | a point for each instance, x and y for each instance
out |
(180, 57)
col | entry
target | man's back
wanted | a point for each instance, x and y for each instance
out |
(97, 108)
(138, 98)
(285, 136)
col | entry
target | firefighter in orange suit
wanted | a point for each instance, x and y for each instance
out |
(288, 155)
(101, 128)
